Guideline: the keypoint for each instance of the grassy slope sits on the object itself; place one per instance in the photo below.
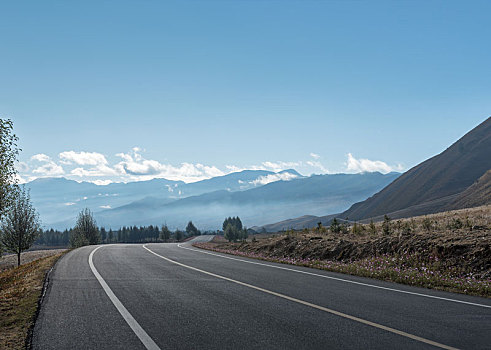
(446, 174)
(451, 252)
(20, 290)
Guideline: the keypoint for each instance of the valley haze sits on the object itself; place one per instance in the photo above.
(206, 202)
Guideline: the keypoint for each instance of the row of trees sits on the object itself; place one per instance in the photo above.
(53, 238)
(86, 232)
(130, 234)
(233, 229)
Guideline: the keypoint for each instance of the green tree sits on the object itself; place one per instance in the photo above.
(165, 233)
(85, 231)
(386, 226)
(110, 235)
(103, 235)
(357, 228)
(178, 235)
(335, 226)
(373, 229)
(20, 226)
(8, 157)
(191, 230)
(230, 233)
(243, 234)
(235, 222)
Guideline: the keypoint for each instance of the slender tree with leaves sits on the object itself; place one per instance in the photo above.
(20, 225)
(8, 174)
(85, 231)
(8, 157)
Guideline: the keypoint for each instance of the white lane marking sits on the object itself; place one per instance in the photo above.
(334, 312)
(339, 279)
(139, 331)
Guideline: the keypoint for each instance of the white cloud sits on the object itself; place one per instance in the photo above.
(139, 168)
(263, 180)
(99, 170)
(318, 165)
(361, 165)
(210, 171)
(69, 203)
(82, 158)
(279, 166)
(101, 183)
(94, 167)
(22, 167)
(233, 168)
(105, 206)
(49, 169)
(41, 157)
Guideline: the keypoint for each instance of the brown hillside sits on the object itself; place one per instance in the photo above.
(475, 195)
(433, 183)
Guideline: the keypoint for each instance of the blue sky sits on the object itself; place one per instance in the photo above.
(193, 89)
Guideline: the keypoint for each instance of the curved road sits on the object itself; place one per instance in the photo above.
(170, 296)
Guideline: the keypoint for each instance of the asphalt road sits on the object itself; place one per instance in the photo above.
(170, 296)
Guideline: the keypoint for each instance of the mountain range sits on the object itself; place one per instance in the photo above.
(436, 184)
(257, 196)
(457, 178)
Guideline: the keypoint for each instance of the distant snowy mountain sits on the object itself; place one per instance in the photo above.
(256, 204)
(59, 199)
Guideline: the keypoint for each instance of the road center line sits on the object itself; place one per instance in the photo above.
(318, 307)
(135, 326)
(337, 278)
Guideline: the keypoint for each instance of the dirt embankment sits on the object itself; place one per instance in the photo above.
(458, 240)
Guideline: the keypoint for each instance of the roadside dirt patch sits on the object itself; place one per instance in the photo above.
(449, 251)
(10, 261)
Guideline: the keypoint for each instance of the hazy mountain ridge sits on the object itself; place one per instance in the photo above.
(317, 194)
(457, 178)
(305, 221)
(60, 199)
(479, 193)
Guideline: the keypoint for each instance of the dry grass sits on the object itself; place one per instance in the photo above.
(448, 251)
(10, 261)
(20, 290)
(479, 217)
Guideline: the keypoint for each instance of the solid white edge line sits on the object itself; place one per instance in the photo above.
(134, 325)
(337, 278)
(306, 303)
